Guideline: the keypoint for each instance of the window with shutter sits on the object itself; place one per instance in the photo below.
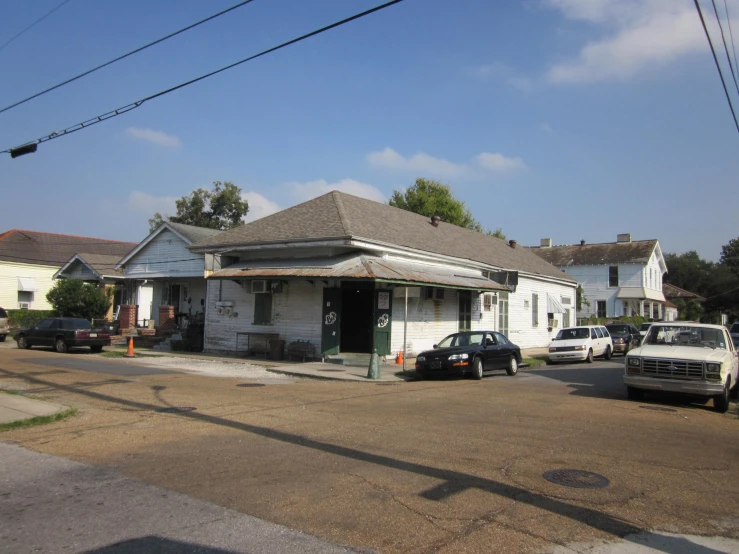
(262, 309)
(535, 310)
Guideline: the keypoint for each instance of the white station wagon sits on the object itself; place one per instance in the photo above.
(576, 344)
(689, 358)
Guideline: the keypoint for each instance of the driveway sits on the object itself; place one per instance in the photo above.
(431, 466)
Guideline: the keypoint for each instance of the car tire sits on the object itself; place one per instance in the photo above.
(96, 349)
(477, 368)
(2, 338)
(607, 355)
(23, 343)
(634, 394)
(512, 368)
(589, 359)
(61, 346)
(549, 362)
(734, 393)
(721, 401)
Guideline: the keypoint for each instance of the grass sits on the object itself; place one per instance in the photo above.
(39, 420)
(534, 361)
(122, 354)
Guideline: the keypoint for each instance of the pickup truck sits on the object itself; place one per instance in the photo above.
(63, 333)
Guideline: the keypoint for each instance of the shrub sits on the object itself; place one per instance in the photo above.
(22, 319)
(75, 298)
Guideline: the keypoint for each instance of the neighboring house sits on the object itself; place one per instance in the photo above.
(335, 271)
(30, 259)
(622, 278)
(671, 312)
(673, 294)
(161, 271)
(100, 270)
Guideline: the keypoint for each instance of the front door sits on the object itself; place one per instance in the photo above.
(383, 321)
(331, 321)
(465, 311)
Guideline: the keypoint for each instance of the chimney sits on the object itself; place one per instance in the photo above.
(546, 243)
(623, 237)
(512, 243)
(582, 243)
(435, 220)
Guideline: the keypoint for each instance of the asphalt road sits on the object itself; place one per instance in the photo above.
(432, 466)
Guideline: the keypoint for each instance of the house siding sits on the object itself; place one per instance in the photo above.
(429, 321)
(594, 281)
(165, 255)
(9, 274)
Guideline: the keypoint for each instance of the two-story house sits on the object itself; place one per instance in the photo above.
(622, 278)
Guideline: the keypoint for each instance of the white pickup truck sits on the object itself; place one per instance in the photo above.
(688, 358)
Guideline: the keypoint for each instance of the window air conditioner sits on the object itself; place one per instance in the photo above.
(24, 305)
(258, 287)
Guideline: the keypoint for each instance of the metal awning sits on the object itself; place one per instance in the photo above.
(554, 306)
(27, 284)
(361, 267)
(640, 293)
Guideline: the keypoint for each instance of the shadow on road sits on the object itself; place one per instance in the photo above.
(156, 545)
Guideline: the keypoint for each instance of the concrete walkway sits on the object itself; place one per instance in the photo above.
(16, 408)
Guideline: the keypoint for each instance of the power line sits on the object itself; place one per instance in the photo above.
(131, 53)
(731, 34)
(134, 105)
(39, 20)
(726, 48)
(715, 59)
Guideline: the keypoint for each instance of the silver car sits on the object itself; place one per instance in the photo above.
(4, 323)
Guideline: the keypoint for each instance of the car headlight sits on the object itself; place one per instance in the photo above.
(582, 347)
(634, 362)
(458, 357)
(421, 359)
(552, 349)
(619, 341)
(713, 368)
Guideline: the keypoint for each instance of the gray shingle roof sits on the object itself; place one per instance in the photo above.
(638, 251)
(339, 215)
(50, 249)
(193, 233)
(104, 264)
(673, 292)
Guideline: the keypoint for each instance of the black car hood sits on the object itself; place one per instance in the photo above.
(449, 351)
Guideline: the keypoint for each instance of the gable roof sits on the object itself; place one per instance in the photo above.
(51, 249)
(189, 234)
(673, 292)
(102, 265)
(635, 252)
(338, 215)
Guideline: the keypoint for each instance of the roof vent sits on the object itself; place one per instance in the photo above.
(512, 243)
(546, 243)
(623, 237)
(582, 243)
(435, 220)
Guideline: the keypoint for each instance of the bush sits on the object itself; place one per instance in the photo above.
(75, 298)
(22, 319)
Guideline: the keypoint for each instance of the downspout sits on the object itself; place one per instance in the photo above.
(405, 328)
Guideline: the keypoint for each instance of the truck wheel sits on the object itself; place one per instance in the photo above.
(477, 368)
(23, 343)
(512, 368)
(60, 346)
(634, 393)
(2, 338)
(721, 401)
(589, 359)
(607, 355)
(734, 393)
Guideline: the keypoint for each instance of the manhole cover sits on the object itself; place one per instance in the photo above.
(176, 410)
(576, 478)
(658, 408)
(251, 385)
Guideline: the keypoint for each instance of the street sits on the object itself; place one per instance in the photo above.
(427, 466)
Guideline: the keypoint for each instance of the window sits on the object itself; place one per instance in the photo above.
(551, 322)
(503, 313)
(598, 332)
(592, 334)
(263, 308)
(487, 304)
(25, 299)
(566, 319)
(605, 332)
(44, 324)
(600, 308)
(613, 276)
(501, 339)
(535, 310)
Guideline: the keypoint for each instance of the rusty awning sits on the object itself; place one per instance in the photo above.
(361, 267)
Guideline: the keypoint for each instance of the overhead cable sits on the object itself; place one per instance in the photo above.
(731, 34)
(134, 105)
(726, 48)
(32, 25)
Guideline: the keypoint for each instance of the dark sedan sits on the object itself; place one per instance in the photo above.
(63, 333)
(469, 353)
(622, 335)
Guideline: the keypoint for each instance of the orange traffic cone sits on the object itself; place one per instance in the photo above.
(129, 353)
(399, 358)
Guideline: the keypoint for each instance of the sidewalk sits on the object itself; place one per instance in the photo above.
(15, 407)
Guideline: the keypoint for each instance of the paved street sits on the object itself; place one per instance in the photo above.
(432, 466)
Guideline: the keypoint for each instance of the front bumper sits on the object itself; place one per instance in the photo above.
(624, 347)
(446, 368)
(571, 356)
(698, 388)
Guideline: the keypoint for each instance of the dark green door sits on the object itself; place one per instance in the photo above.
(331, 322)
(382, 321)
(465, 310)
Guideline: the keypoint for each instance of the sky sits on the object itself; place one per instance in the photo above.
(564, 119)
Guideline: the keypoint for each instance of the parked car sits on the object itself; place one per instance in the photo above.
(469, 353)
(734, 331)
(688, 358)
(622, 334)
(4, 325)
(63, 333)
(577, 344)
(643, 329)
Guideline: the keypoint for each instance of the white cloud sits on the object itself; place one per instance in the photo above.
(306, 191)
(155, 137)
(502, 72)
(638, 35)
(259, 206)
(146, 204)
(426, 165)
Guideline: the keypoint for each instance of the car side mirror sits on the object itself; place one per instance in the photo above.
(436, 346)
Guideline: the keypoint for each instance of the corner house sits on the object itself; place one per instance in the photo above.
(353, 275)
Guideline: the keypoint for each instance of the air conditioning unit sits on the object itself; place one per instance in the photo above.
(258, 287)
(24, 305)
(277, 287)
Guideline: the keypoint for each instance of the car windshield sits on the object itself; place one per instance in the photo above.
(75, 324)
(702, 337)
(618, 329)
(645, 326)
(574, 333)
(462, 339)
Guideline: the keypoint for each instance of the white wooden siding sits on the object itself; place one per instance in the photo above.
(80, 271)
(165, 255)
(9, 274)
(429, 321)
(594, 281)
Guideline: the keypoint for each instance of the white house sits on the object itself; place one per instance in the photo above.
(161, 271)
(622, 278)
(335, 271)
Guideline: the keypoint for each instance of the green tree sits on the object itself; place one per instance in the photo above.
(75, 298)
(430, 198)
(580, 299)
(730, 255)
(222, 208)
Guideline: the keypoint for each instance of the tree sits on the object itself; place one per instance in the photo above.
(580, 299)
(75, 298)
(730, 255)
(222, 208)
(430, 198)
